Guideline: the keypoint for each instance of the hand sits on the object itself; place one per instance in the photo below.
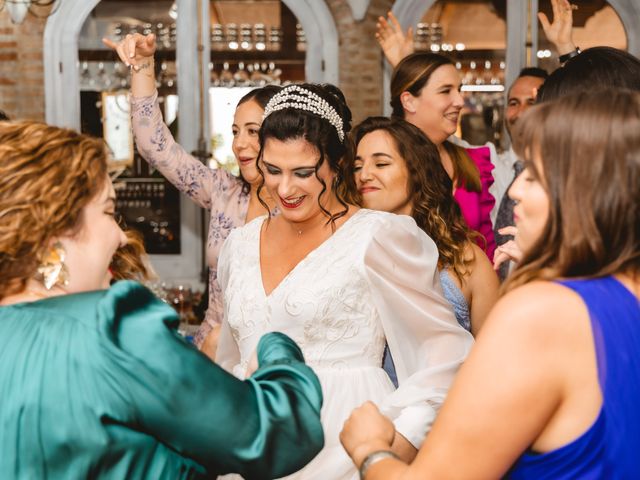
(135, 49)
(395, 44)
(559, 32)
(508, 250)
(366, 431)
(253, 365)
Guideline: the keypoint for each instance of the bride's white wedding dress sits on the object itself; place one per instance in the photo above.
(375, 278)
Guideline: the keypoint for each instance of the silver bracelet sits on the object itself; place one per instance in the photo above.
(374, 457)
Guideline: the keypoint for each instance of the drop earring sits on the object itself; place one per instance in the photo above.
(53, 269)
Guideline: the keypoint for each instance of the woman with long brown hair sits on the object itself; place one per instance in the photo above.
(397, 169)
(550, 390)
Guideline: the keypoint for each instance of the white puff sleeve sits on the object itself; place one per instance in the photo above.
(425, 340)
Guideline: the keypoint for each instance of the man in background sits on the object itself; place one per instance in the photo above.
(520, 97)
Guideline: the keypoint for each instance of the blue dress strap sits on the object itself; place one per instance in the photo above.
(455, 297)
(608, 449)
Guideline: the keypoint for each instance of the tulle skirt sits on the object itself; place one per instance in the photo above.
(343, 389)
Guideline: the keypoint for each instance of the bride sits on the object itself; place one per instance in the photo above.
(340, 280)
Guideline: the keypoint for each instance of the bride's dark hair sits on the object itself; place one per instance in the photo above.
(292, 123)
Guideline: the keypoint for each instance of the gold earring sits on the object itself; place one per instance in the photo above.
(53, 269)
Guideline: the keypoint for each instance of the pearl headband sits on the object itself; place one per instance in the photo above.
(300, 98)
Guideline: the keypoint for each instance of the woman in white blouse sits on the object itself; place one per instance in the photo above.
(339, 280)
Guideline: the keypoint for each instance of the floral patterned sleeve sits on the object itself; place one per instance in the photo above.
(158, 147)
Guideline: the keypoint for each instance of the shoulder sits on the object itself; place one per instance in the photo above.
(479, 266)
(398, 236)
(539, 312)
(80, 304)
(111, 308)
(482, 151)
(249, 233)
(386, 226)
(478, 259)
(248, 230)
(378, 219)
(127, 297)
(126, 291)
(130, 317)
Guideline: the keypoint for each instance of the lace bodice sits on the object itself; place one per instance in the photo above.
(324, 303)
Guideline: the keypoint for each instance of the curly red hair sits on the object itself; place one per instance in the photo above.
(47, 177)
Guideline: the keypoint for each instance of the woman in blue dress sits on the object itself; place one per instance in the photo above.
(551, 388)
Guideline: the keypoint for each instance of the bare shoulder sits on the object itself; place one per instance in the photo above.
(482, 275)
(540, 310)
(474, 254)
(539, 296)
(541, 328)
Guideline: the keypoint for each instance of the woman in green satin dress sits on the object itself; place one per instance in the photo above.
(95, 381)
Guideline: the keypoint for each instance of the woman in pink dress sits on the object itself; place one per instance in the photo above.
(425, 91)
(232, 200)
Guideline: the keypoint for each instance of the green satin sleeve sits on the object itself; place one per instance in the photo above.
(264, 427)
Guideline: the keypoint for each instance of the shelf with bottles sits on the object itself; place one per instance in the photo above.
(99, 76)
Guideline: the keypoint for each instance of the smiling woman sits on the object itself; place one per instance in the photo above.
(294, 180)
(340, 280)
(397, 169)
(381, 173)
(307, 151)
(425, 91)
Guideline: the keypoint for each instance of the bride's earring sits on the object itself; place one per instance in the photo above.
(52, 267)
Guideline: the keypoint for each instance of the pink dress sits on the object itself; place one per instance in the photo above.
(476, 207)
(216, 190)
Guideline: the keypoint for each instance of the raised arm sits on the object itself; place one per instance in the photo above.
(394, 42)
(560, 30)
(137, 52)
(267, 426)
(153, 138)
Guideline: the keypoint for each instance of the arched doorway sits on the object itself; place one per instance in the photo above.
(61, 52)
